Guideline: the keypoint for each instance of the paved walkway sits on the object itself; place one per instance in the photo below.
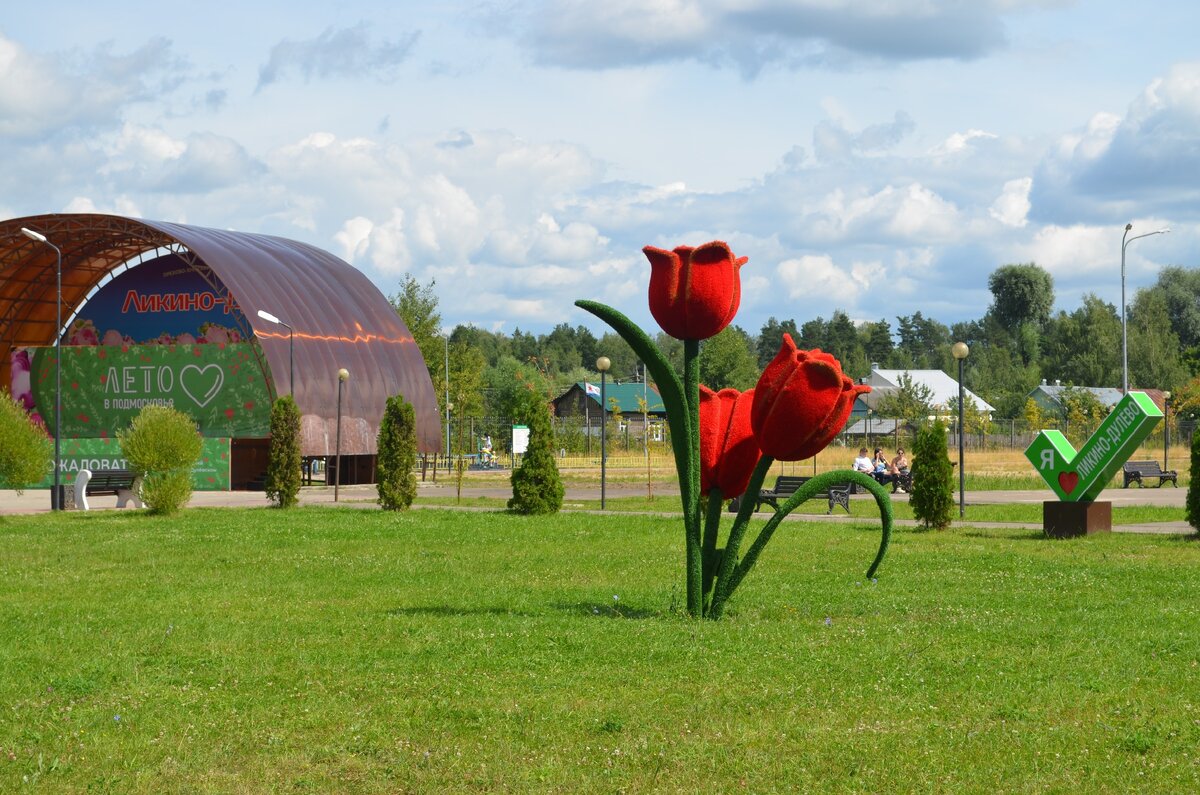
(32, 502)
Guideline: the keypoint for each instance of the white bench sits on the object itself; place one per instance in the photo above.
(125, 484)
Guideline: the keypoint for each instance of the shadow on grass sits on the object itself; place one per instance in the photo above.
(614, 610)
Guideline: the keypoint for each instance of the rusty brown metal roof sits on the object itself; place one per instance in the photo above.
(340, 318)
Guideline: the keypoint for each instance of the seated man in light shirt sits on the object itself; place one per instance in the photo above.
(863, 463)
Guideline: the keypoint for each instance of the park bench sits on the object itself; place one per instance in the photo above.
(1139, 471)
(786, 485)
(125, 484)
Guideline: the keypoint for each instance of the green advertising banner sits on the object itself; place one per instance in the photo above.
(211, 472)
(1081, 476)
(220, 385)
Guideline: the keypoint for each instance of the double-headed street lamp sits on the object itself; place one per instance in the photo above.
(1124, 336)
(267, 316)
(56, 495)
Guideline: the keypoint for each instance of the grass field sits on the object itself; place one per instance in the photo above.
(347, 650)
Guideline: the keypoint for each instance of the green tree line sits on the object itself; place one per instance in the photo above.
(1018, 341)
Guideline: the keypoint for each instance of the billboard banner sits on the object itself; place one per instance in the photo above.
(161, 302)
(221, 386)
(211, 472)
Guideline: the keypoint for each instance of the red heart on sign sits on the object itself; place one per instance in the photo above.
(1067, 481)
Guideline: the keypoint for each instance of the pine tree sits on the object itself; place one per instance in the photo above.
(397, 456)
(536, 485)
(1193, 495)
(283, 460)
(933, 478)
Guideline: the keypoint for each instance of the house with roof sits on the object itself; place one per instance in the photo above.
(582, 400)
(942, 388)
(1049, 397)
(864, 418)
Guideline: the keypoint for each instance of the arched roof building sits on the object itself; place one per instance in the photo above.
(339, 318)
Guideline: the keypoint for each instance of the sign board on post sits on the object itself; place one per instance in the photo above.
(1081, 476)
(520, 439)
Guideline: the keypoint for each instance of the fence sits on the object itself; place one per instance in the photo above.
(630, 443)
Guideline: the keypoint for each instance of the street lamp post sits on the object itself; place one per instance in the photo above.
(1166, 426)
(1124, 333)
(602, 364)
(960, 352)
(56, 495)
(446, 338)
(267, 316)
(342, 376)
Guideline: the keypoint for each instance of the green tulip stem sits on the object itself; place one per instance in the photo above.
(820, 483)
(729, 557)
(691, 391)
(712, 525)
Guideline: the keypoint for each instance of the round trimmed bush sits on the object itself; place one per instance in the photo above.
(162, 445)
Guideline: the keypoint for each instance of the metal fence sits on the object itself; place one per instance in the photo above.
(628, 440)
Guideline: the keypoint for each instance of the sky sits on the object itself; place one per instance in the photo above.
(880, 157)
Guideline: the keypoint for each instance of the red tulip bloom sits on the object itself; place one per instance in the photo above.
(801, 402)
(728, 451)
(694, 292)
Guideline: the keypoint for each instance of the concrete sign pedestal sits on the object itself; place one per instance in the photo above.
(1071, 519)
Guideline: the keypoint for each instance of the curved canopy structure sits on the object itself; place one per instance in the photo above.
(340, 320)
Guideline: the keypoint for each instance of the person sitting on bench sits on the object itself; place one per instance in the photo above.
(863, 463)
(882, 469)
(900, 470)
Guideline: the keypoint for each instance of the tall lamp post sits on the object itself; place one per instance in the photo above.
(267, 316)
(343, 375)
(446, 338)
(960, 352)
(1166, 426)
(56, 495)
(1124, 334)
(602, 364)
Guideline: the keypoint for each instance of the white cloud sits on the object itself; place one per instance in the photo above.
(41, 95)
(752, 34)
(960, 141)
(812, 275)
(1011, 207)
(336, 52)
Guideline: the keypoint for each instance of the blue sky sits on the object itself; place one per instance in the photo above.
(875, 156)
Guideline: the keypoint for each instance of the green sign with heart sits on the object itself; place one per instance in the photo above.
(1081, 476)
(220, 385)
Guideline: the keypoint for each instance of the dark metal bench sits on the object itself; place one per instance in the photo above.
(786, 486)
(1139, 471)
(123, 483)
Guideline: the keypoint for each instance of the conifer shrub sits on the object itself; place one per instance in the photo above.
(25, 449)
(397, 455)
(283, 462)
(932, 498)
(162, 445)
(1193, 494)
(537, 487)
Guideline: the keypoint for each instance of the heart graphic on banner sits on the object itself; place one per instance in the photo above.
(1068, 481)
(201, 384)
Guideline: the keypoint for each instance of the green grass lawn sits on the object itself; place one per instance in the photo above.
(322, 650)
(1030, 513)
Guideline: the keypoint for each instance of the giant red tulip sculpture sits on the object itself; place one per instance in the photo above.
(725, 442)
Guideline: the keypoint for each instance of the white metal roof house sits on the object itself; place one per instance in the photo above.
(942, 387)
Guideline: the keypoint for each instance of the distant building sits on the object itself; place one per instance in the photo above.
(1048, 396)
(583, 398)
(943, 389)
